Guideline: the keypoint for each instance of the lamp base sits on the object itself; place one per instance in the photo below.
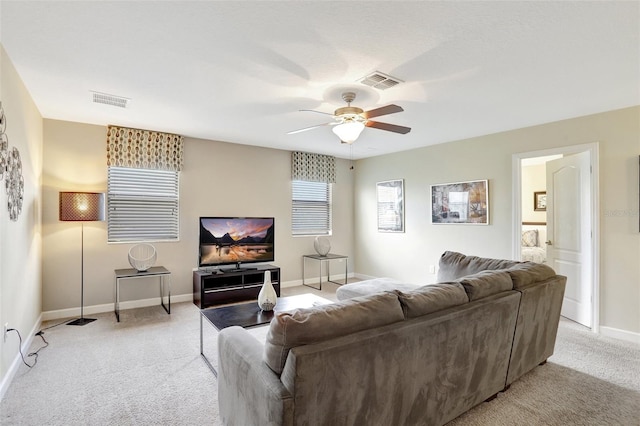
(81, 321)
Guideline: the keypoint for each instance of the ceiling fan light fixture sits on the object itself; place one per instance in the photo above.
(349, 131)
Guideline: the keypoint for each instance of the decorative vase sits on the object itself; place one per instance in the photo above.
(267, 296)
(322, 245)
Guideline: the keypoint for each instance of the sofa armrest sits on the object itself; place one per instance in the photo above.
(249, 392)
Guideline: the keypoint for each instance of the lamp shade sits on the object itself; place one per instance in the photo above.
(348, 131)
(81, 206)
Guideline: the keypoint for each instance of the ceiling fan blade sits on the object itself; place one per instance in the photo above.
(389, 109)
(309, 128)
(389, 127)
(313, 110)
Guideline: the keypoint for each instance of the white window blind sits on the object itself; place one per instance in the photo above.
(142, 205)
(311, 208)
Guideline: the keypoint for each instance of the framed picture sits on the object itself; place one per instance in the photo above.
(540, 201)
(390, 196)
(460, 203)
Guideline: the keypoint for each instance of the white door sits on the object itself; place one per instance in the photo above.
(569, 232)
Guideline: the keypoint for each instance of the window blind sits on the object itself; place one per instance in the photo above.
(142, 205)
(311, 208)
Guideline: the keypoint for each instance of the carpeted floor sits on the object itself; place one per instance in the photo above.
(147, 370)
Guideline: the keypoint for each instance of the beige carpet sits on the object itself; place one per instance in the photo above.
(146, 370)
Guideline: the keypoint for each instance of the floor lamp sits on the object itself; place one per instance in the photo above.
(81, 207)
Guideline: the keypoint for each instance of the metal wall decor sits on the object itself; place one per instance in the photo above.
(4, 143)
(11, 171)
(14, 184)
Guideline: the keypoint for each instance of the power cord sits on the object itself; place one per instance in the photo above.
(35, 353)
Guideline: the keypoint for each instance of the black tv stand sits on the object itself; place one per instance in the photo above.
(224, 271)
(239, 268)
(229, 285)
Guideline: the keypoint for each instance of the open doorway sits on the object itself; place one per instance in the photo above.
(547, 223)
(534, 208)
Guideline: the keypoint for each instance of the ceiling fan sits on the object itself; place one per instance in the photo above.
(350, 121)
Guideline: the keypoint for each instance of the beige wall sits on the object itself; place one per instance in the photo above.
(20, 243)
(407, 256)
(534, 179)
(218, 179)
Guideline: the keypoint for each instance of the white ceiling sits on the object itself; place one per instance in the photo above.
(240, 71)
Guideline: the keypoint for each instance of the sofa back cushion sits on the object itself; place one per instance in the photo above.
(431, 298)
(525, 273)
(455, 265)
(312, 325)
(486, 283)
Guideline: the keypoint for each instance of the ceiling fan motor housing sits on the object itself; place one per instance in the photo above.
(348, 110)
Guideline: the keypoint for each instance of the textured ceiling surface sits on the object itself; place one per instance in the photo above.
(240, 71)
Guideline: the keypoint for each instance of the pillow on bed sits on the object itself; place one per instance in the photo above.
(530, 238)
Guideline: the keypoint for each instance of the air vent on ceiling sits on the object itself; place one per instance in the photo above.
(107, 99)
(380, 80)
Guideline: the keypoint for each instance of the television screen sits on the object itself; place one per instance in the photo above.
(236, 240)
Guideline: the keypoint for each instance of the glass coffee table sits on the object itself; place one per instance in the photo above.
(248, 315)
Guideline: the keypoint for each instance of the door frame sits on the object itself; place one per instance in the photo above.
(593, 149)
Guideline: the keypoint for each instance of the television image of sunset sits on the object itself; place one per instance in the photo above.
(233, 240)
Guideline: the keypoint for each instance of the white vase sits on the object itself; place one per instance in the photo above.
(267, 296)
(322, 245)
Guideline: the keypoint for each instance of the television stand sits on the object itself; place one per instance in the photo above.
(224, 271)
(213, 288)
(239, 268)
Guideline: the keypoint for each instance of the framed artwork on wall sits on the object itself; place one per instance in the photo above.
(460, 203)
(540, 201)
(390, 197)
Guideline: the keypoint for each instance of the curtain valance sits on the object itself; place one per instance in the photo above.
(144, 149)
(313, 167)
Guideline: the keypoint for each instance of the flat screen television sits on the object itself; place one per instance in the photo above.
(236, 241)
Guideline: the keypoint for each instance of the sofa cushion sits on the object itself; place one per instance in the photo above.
(376, 285)
(525, 273)
(431, 298)
(455, 265)
(311, 325)
(486, 283)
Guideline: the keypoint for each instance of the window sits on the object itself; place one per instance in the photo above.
(142, 205)
(311, 208)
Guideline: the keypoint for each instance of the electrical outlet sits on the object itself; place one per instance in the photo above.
(4, 331)
(432, 269)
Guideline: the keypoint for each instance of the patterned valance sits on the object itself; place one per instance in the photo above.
(144, 149)
(313, 167)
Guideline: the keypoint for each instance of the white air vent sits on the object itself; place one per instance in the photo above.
(107, 99)
(380, 80)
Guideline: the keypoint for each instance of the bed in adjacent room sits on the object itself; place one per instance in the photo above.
(533, 248)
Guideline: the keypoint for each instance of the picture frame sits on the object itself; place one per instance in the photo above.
(540, 201)
(460, 203)
(390, 205)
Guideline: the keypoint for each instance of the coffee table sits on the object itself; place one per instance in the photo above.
(248, 315)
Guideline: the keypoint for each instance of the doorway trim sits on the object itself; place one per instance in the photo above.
(516, 172)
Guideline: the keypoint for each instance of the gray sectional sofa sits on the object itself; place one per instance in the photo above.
(418, 356)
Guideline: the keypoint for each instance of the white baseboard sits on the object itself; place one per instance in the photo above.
(109, 307)
(617, 333)
(365, 277)
(314, 280)
(17, 360)
(142, 303)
